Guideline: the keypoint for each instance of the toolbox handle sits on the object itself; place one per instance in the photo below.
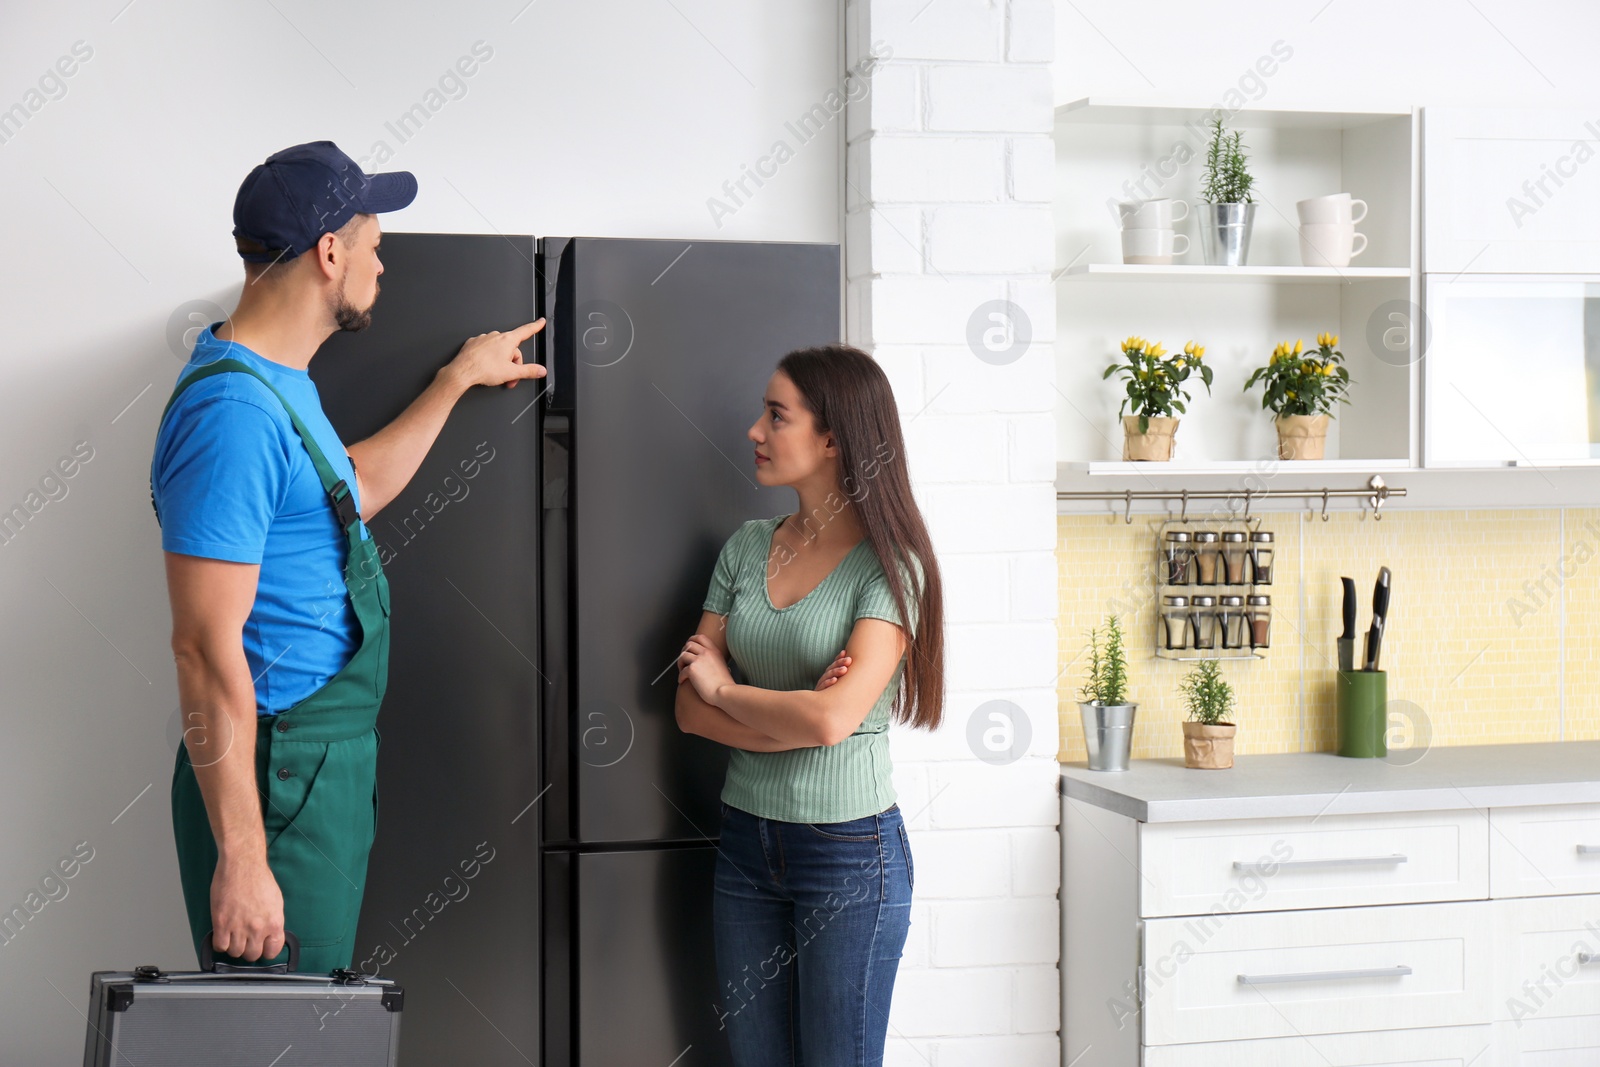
(207, 963)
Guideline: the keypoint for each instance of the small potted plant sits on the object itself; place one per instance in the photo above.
(1208, 734)
(1107, 712)
(1229, 207)
(1301, 388)
(1155, 390)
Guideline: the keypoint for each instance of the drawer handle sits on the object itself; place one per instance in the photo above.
(1587, 957)
(1325, 976)
(1350, 861)
(1585, 850)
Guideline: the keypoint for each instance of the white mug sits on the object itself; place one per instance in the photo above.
(1152, 246)
(1331, 210)
(1330, 246)
(1151, 214)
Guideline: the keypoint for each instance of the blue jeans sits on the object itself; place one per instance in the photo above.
(810, 920)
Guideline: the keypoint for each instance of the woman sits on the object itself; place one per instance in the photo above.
(814, 872)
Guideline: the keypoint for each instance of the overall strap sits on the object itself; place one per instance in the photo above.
(338, 491)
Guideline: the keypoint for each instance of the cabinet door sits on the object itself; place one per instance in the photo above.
(1510, 190)
(1512, 369)
(1335, 970)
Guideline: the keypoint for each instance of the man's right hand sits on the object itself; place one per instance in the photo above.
(246, 910)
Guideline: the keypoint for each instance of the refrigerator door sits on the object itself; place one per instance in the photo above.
(630, 972)
(452, 893)
(660, 352)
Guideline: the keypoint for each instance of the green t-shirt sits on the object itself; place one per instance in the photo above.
(788, 649)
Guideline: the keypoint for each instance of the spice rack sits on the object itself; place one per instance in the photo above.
(1214, 589)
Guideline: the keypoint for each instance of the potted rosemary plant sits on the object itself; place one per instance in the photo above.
(1207, 734)
(1155, 390)
(1107, 712)
(1229, 208)
(1301, 388)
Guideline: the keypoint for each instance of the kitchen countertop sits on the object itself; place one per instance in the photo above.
(1311, 783)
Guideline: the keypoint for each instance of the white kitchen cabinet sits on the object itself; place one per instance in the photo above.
(1512, 367)
(1511, 190)
(1486, 953)
(1109, 150)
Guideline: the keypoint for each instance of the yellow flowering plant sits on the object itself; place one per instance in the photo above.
(1298, 382)
(1155, 379)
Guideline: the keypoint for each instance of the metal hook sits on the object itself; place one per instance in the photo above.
(1127, 516)
(1324, 505)
(1247, 504)
(1184, 515)
(1380, 493)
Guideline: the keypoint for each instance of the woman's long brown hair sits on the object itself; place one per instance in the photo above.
(849, 396)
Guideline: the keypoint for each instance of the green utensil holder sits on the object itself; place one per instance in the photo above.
(1363, 713)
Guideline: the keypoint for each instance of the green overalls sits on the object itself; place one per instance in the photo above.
(316, 763)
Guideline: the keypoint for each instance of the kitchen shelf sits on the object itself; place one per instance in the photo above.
(1125, 110)
(1145, 469)
(1187, 272)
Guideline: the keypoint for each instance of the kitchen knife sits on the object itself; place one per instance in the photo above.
(1347, 640)
(1380, 611)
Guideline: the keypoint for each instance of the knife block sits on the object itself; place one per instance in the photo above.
(1362, 707)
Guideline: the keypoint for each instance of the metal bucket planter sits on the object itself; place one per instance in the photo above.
(1225, 232)
(1108, 734)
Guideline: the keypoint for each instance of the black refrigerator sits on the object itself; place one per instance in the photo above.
(541, 881)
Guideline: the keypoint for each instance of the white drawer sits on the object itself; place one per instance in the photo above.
(1545, 850)
(1334, 970)
(1434, 1046)
(1312, 862)
(1558, 1041)
(1547, 958)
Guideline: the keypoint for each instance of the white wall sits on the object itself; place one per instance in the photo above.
(949, 180)
(1348, 54)
(601, 119)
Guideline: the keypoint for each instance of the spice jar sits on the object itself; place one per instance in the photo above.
(1261, 556)
(1233, 554)
(1207, 557)
(1203, 619)
(1233, 622)
(1260, 608)
(1179, 556)
(1175, 621)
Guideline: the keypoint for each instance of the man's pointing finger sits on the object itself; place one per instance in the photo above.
(522, 333)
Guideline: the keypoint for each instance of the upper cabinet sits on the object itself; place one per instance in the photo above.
(1511, 191)
(1109, 151)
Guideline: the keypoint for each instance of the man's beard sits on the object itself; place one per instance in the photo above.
(350, 318)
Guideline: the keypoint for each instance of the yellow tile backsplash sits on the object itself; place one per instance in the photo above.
(1487, 640)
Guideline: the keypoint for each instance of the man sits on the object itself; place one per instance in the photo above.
(280, 608)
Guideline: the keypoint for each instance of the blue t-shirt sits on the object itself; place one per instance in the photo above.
(232, 480)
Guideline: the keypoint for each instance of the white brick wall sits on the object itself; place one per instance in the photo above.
(949, 177)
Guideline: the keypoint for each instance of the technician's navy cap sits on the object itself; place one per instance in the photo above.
(287, 203)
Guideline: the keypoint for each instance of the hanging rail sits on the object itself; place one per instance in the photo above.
(1376, 492)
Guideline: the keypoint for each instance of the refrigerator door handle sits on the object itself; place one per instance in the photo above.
(556, 606)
